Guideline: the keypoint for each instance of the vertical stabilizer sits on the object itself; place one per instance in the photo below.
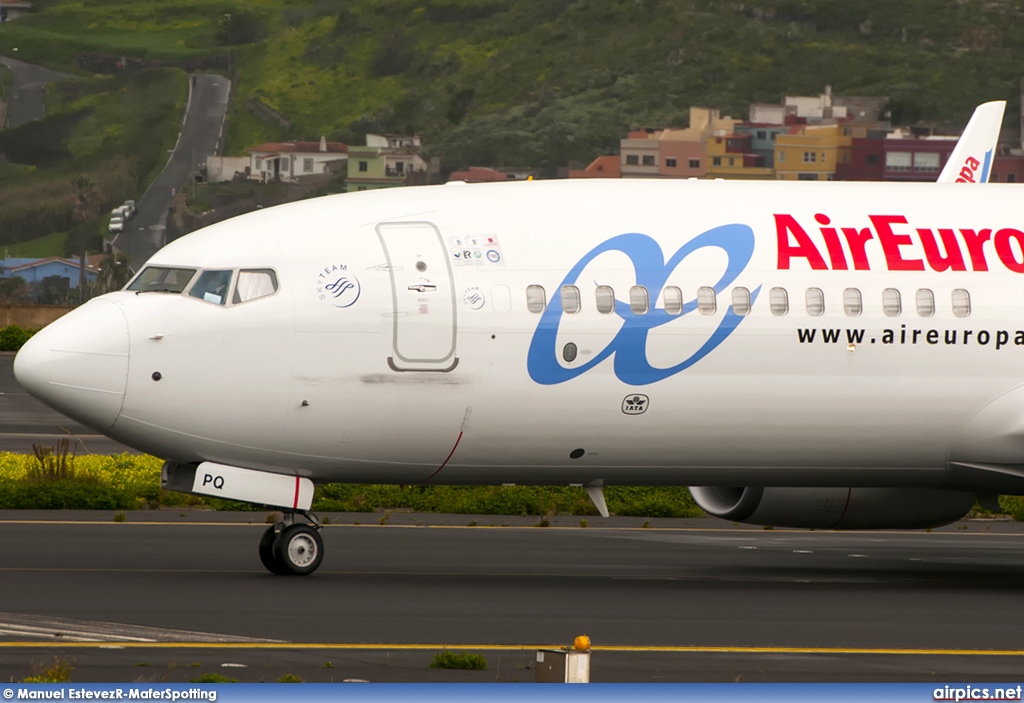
(971, 160)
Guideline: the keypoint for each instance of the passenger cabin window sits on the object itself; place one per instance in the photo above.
(535, 298)
(161, 279)
(925, 302)
(815, 302)
(638, 301)
(212, 286)
(778, 301)
(741, 301)
(853, 304)
(254, 284)
(961, 302)
(892, 305)
(570, 299)
(707, 303)
(605, 299)
(673, 300)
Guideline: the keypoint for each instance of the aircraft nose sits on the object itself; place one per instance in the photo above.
(79, 364)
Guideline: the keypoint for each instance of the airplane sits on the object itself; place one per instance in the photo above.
(971, 159)
(810, 354)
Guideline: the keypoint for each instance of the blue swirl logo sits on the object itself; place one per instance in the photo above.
(344, 291)
(629, 346)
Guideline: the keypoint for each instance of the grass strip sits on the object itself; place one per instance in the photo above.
(56, 479)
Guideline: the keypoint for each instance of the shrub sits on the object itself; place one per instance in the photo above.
(214, 678)
(1013, 505)
(63, 495)
(57, 672)
(13, 337)
(52, 463)
(458, 660)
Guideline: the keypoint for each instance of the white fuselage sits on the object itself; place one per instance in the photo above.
(400, 347)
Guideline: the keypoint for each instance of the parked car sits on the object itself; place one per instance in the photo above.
(116, 224)
(129, 207)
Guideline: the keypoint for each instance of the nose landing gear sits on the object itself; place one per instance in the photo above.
(289, 548)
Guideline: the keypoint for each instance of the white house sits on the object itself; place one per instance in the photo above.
(291, 161)
(224, 168)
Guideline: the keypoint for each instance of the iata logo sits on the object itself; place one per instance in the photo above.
(628, 348)
(337, 286)
(635, 404)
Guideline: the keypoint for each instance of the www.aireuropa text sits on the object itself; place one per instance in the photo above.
(902, 336)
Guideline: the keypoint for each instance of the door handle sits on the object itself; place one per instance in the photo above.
(423, 288)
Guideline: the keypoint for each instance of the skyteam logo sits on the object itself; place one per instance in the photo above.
(629, 346)
(339, 287)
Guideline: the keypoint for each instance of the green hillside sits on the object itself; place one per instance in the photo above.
(540, 82)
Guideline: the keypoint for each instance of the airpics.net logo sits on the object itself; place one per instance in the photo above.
(977, 693)
(337, 286)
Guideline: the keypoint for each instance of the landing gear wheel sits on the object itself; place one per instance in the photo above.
(298, 550)
(267, 552)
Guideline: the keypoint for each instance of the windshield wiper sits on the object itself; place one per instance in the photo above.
(157, 290)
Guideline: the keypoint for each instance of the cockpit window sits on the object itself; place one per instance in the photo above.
(161, 279)
(253, 284)
(212, 286)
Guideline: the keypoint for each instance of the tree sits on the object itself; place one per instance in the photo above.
(86, 200)
(14, 290)
(114, 273)
(241, 27)
(53, 290)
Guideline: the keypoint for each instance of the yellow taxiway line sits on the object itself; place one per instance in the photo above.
(736, 530)
(395, 646)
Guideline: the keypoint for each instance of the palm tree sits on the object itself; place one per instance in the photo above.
(114, 273)
(86, 200)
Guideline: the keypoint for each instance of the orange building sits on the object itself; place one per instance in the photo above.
(601, 167)
(673, 153)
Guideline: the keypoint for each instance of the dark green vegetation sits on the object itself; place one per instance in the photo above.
(214, 678)
(54, 478)
(106, 138)
(657, 501)
(458, 660)
(13, 337)
(540, 82)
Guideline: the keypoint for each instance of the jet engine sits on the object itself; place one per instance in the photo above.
(835, 508)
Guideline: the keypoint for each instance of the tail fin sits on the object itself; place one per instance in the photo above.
(971, 160)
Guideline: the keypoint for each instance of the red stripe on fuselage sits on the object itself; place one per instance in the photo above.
(457, 440)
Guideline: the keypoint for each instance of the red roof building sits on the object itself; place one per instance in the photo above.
(290, 161)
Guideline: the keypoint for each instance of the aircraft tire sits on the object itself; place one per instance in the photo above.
(267, 553)
(298, 550)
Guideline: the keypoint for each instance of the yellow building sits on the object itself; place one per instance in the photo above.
(732, 156)
(812, 152)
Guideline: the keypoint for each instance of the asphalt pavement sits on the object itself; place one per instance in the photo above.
(25, 100)
(697, 600)
(200, 137)
(25, 422)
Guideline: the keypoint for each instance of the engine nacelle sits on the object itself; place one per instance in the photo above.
(836, 508)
